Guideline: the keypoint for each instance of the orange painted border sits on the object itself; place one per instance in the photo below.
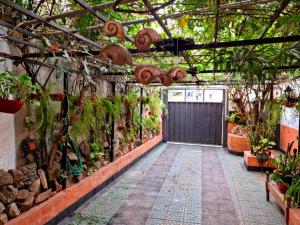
(294, 216)
(47, 210)
(287, 135)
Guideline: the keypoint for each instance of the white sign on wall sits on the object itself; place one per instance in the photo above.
(213, 96)
(176, 95)
(194, 95)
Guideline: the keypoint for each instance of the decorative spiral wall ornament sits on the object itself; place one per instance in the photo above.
(117, 54)
(177, 73)
(114, 29)
(145, 38)
(145, 74)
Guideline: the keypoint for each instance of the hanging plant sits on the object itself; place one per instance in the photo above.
(14, 90)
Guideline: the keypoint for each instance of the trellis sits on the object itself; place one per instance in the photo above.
(176, 46)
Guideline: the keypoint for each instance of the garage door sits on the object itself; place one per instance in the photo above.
(198, 122)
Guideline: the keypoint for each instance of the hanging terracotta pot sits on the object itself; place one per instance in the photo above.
(117, 54)
(10, 106)
(31, 145)
(145, 74)
(177, 73)
(54, 48)
(93, 98)
(57, 97)
(145, 38)
(114, 29)
(35, 96)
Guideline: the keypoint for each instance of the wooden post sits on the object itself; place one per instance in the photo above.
(141, 113)
(64, 115)
(112, 135)
(287, 210)
(267, 186)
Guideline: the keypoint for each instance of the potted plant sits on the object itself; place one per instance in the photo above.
(294, 190)
(262, 149)
(286, 165)
(14, 90)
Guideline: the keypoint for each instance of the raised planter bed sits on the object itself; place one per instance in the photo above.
(53, 210)
(230, 126)
(252, 163)
(238, 144)
(291, 215)
(294, 217)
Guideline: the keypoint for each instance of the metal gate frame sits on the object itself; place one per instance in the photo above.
(224, 111)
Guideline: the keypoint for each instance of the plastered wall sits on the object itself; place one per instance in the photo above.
(7, 128)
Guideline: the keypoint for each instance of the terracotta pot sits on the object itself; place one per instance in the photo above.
(262, 156)
(31, 145)
(121, 128)
(10, 106)
(282, 187)
(110, 98)
(35, 96)
(57, 97)
(93, 98)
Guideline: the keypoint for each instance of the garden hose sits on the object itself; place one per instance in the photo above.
(75, 170)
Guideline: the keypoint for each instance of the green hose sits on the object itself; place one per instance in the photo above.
(75, 170)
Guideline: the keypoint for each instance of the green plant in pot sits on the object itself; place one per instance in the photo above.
(262, 150)
(14, 90)
(286, 166)
(294, 190)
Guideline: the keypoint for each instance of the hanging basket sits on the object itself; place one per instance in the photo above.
(57, 97)
(10, 106)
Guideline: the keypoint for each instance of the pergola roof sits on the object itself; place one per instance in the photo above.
(201, 36)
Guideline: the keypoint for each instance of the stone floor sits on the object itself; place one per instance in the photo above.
(183, 184)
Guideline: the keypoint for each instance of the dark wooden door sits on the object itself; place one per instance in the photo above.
(199, 123)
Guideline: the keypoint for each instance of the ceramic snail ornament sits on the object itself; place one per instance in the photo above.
(117, 54)
(145, 74)
(166, 79)
(114, 29)
(145, 38)
(176, 73)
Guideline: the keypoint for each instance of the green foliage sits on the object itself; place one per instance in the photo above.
(263, 145)
(86, 120)
(45, 116)
(19, 86)
(294, 190)
(286, 166)
(96, 153)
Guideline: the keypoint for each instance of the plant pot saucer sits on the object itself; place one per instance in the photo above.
(10, 106)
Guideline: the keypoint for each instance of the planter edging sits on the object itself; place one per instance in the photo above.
(58, 206)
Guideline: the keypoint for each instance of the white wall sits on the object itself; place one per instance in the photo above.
(7, 129)
(290, 117)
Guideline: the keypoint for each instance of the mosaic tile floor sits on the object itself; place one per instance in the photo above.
(182, 185)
